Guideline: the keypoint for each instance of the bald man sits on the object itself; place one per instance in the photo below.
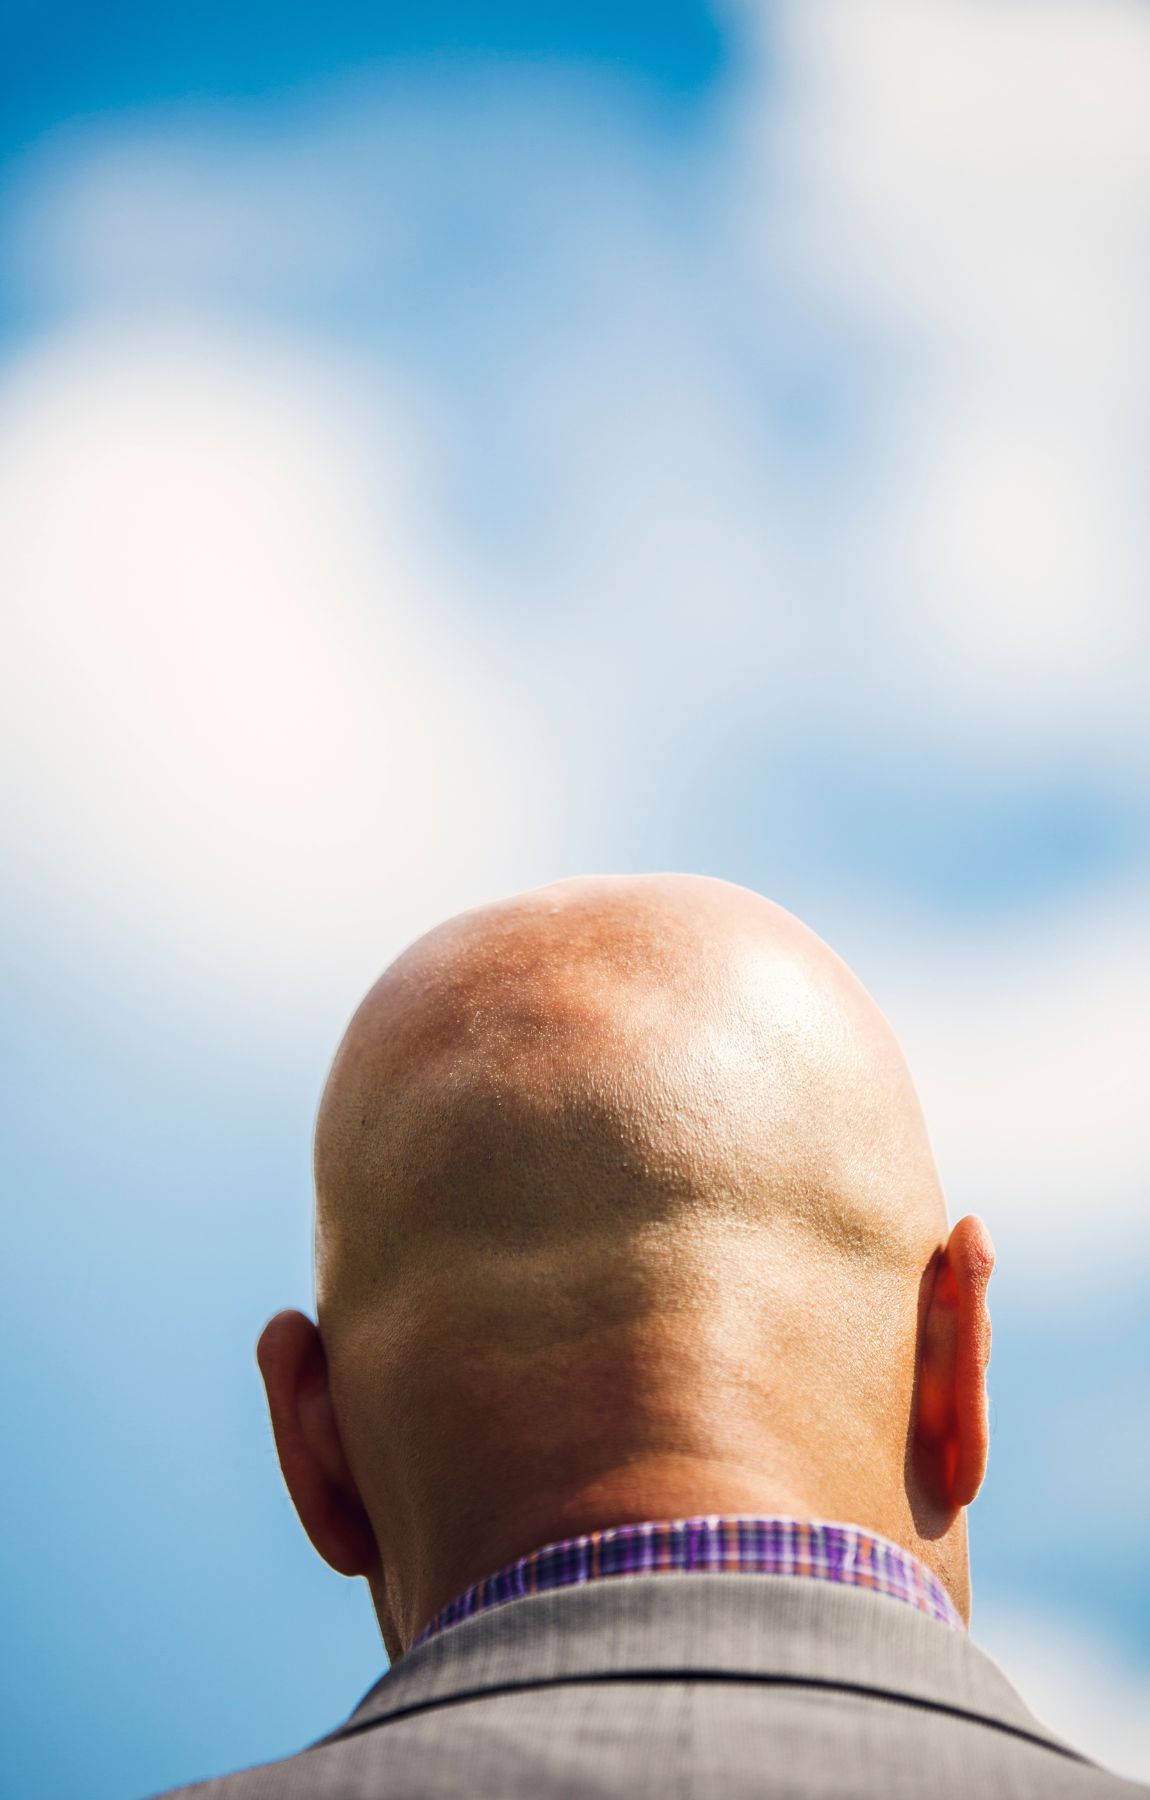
(648, 1392)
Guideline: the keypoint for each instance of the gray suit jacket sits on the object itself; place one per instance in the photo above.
(688, 1687)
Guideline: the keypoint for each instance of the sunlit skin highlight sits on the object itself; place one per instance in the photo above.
(625, 1210)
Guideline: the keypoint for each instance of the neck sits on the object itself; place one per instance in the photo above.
(644, 1488)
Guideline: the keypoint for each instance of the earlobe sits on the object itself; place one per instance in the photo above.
(951, 1427)
(293, 1364)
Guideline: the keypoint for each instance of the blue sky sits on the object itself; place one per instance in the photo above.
(442, 451)
(91, 59)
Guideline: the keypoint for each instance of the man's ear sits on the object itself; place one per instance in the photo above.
(952, 1432)
(293, 1364)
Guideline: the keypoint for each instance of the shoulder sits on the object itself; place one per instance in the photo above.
(637, 1737)
(745, 1684)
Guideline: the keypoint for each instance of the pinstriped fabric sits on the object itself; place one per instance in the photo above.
(826, 1551)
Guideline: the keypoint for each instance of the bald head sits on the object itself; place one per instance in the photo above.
(625, 1208)
(607, 1058)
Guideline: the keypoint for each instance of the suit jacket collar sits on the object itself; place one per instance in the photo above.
(770, 1628)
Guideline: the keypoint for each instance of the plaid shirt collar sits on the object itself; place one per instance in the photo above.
(765, 1546)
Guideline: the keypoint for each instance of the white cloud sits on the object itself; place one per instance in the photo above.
(978, 172)
(1021, 574)
(965, 186)
(1028, 1051)
(243, 722)
(1078, 1682)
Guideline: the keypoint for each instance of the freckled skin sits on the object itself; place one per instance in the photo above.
(625, 1210)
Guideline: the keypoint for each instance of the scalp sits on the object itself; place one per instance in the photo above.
(606, 1076)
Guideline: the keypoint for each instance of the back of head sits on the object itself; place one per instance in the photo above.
(622, 1189)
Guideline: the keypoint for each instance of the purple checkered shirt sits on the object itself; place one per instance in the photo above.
(749, 1545)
